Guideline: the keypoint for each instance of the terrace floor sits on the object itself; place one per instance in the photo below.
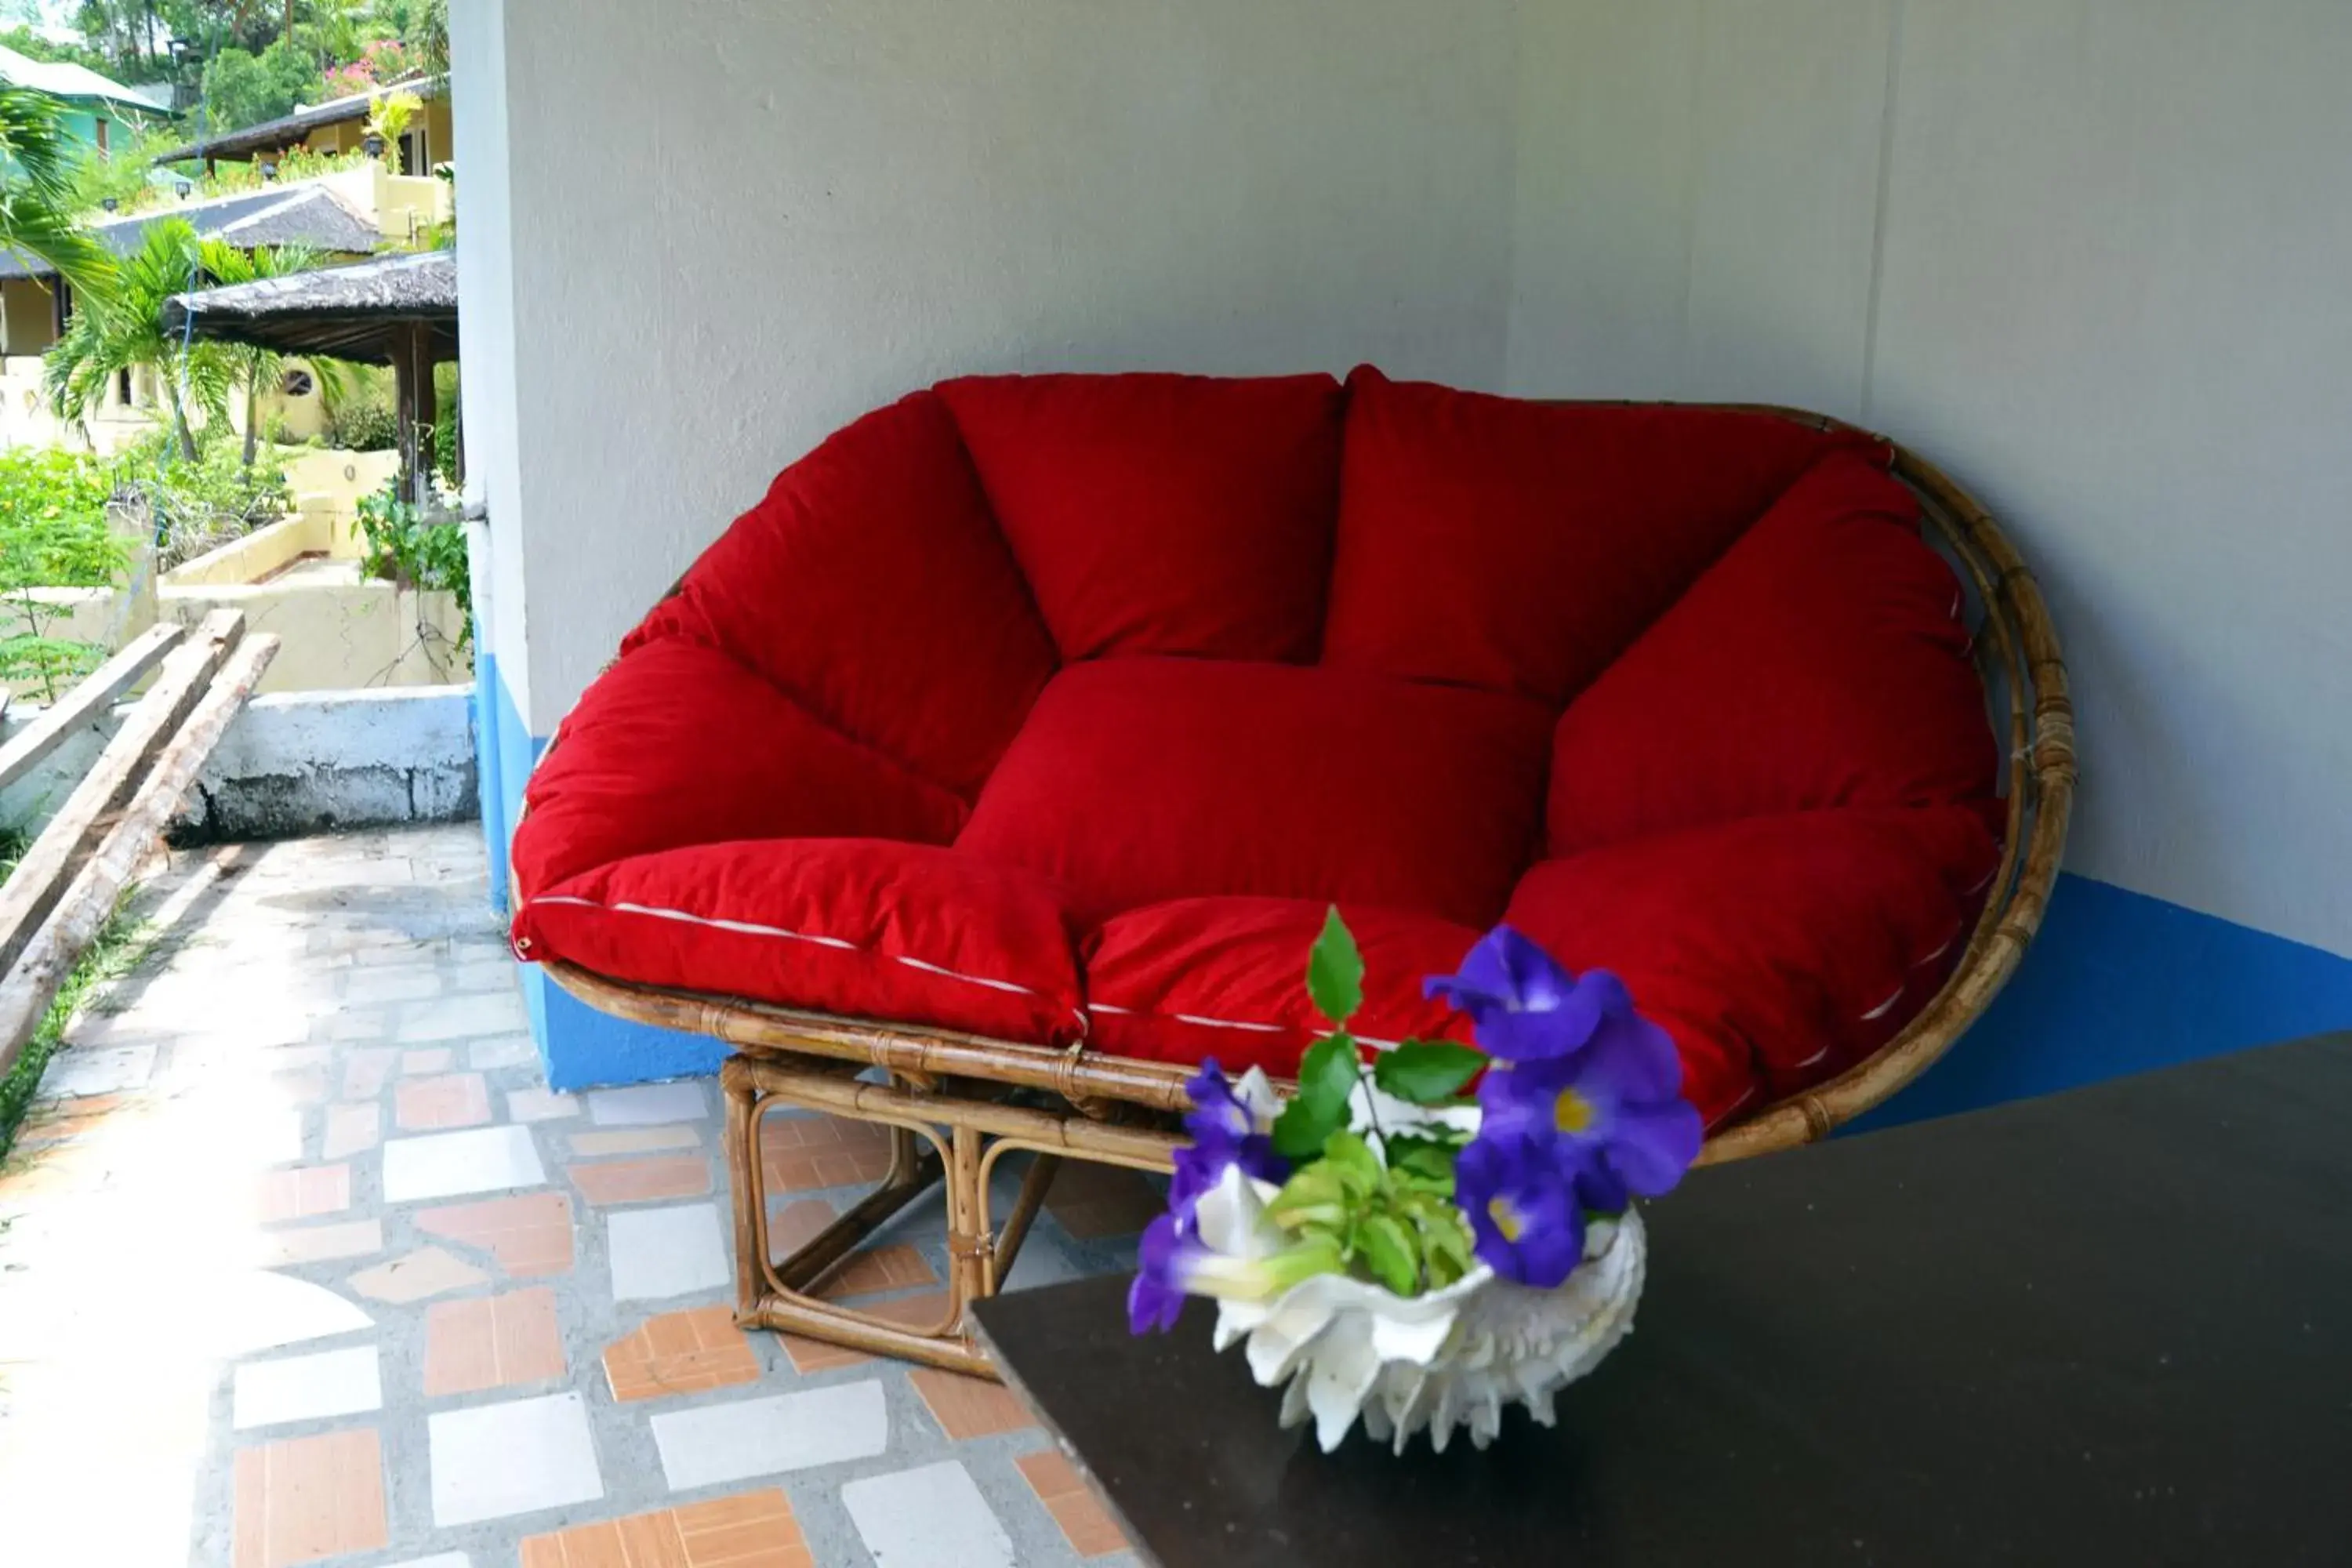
(300, 1261)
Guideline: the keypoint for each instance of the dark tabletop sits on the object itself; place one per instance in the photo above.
(2104, 1327)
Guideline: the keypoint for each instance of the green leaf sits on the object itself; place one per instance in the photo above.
(1352, 1159)
(1320, 1109)
(1389, 1250)
(1314, 1196)
(1335, 970)
(1445, 1242)
(1424, 1159)
(1426, 1072)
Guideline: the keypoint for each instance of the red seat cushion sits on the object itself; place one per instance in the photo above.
(1140, 780)
(1776, 949)
(1197, 978)
(861, 927)
(1821, 662)
(1520, 546)
(945, 663)
(1168, 514)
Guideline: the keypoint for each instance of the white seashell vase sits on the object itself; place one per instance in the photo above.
(1453, 1358)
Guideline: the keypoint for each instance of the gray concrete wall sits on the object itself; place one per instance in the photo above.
(299, 761)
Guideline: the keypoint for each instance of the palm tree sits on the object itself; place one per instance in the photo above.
(224, 263)
(36, 173)
(128, 332)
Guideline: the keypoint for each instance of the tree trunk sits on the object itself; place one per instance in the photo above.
(180, 417)
(252, 413)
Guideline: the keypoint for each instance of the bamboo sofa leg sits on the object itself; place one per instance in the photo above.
(943, 1132)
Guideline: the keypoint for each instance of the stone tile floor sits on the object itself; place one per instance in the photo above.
(301, 1261)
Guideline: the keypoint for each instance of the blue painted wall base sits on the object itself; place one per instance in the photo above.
(579, 1046)
(2118, 983)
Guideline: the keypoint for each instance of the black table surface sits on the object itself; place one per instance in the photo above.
(2110, 1326)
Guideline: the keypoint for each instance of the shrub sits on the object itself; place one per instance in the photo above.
(406, 547)
(53, 534)
(362, 424)
(201, 505)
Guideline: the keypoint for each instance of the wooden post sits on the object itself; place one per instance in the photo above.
(428, 412)
(33, 889)
(40, 972)
(403, 406)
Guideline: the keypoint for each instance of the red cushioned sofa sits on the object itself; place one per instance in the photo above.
(1016, 742)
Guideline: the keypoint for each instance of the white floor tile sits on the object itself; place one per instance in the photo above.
(540, 1105)
(257, 1310)
(110, 1070)
(277, 1137)
(444, 1559)
(930, 1518)
(499, 1013)
(307, 1387)
(643, 1104)
(719, 1442)
(513, 1051)
(445, 1165)
(493, 1460)
(670, 1251)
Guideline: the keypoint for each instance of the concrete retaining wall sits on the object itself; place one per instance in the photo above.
(299, 761)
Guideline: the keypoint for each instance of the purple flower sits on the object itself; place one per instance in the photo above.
(1519, 1194)
(1617, 1104)
(1523, 1004)
(1227, 1131)
(1157, 1296)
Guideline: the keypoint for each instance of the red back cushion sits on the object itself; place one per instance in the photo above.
(1776, 949)
(1520, 546)
(1163, 514)
(1821, 662)
(1137, 781)
(678, 744)
(871, 585)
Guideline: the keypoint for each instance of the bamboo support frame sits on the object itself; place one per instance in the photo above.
(1116, 1110)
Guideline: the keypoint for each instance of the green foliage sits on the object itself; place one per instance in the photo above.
(38, 161)
(117, 949)
(445, 431)
(127, 331)
(406, 546)
(364, 423)
(1427, 1072)
(1397, 1226)
(200, 505)
(1385, 1213)
(122, 173)
(1327, 1075)
(53, 534)
(1335, 970)
(389, 118)
(242, 87)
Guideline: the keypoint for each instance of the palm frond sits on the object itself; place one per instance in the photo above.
(37, 163)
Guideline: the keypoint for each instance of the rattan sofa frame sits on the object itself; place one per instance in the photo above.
(954, 1104)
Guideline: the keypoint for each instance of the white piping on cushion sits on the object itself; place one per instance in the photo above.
(1116, 1011)
(746, 928)
(1229, 1023)
(1941, 948)
(1882, 1008)
(1811, 1059)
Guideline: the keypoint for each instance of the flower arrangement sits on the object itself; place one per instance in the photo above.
(1423, 1242)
